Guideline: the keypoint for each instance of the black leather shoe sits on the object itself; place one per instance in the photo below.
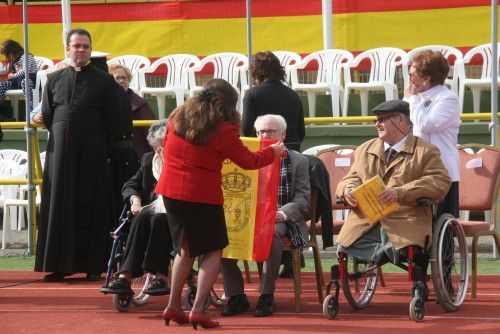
(119, 286)
(55, 277)
(157, 287)
(236, 305)
(265, 306)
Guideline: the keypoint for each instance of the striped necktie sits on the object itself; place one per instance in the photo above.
(390, 153)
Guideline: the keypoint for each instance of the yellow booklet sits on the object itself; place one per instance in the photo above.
(368, 202)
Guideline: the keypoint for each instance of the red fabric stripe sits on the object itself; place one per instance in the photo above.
(267, 202)
(209, 9)
(361, 6)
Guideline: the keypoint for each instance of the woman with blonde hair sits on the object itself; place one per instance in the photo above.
(201, 135)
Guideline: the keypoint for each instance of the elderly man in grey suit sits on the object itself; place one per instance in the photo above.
(293, 205)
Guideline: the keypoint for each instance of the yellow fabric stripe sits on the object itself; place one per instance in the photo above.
(409, 29)
(460, 27)
(240, 206)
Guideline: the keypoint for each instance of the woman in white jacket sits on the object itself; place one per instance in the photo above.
(435, 113)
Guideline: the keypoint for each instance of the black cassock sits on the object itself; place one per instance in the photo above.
(80, 109)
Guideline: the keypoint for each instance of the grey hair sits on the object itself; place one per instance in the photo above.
(277, 118)
(156, 133)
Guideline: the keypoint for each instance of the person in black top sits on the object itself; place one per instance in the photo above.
(271, 96)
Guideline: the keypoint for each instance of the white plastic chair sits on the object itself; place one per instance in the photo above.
(43, 63)
(20, 159)
(477, 84)
(448, 52)
(9, 169)
(134, 63)
(288, 60)
(330, 65)
(383, 63)
(176, 81)
(226, 65)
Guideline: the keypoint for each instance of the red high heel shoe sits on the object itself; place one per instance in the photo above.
(180, 318)
(199, 319)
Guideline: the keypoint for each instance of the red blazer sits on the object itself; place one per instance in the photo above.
(193, 172)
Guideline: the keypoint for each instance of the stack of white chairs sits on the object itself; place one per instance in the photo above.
(227, 66)
(176, 81)
(476, 85)
(288, 60)
(330, 63)
(383, 64)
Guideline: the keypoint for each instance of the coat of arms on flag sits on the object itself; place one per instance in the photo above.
(250, 201)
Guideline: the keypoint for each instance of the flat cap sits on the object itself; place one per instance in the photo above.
(393, 106)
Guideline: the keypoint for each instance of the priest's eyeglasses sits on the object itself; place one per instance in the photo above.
(80, 46)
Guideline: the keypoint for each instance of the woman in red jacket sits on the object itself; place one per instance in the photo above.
(201, 135)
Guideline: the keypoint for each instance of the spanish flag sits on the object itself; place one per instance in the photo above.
(250, 202)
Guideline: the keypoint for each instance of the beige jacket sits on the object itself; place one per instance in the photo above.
(417, 171)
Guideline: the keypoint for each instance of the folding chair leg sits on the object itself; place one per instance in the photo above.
(381, 277)
(247, 271)
(296, 277)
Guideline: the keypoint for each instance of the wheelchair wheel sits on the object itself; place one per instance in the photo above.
(122, 302)
(359, 288)
(417, 309)
(138, 285)
(449, 263)
(330, 307)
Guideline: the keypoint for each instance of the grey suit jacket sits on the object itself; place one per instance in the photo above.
(297, 210)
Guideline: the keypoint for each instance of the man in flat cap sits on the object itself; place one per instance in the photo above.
(410, 168)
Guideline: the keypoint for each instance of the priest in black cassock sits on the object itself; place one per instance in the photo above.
(80, 108)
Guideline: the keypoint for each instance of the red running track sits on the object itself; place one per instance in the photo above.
(28, 305)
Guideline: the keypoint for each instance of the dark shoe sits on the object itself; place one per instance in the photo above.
(119, 286)
(157, 287)
(92, 277)
(55, 277)
(236, 305)
(265, 306)
(286, 272)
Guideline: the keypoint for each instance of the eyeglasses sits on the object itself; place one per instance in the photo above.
(269, 132)
(80, 46)
(383, 119)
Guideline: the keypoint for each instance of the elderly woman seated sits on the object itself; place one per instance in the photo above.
(148, 243)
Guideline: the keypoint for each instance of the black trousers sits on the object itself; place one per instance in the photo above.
(148, 245)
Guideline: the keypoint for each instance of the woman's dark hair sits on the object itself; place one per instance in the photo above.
(265, 65)
(11, 48)
(202, 113)
(431, 64)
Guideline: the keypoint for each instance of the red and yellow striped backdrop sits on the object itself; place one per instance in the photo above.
(208, 26)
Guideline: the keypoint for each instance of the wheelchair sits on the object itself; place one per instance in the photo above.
(447, 256)
(136, 296)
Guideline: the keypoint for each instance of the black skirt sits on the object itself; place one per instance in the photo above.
(203, 224)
